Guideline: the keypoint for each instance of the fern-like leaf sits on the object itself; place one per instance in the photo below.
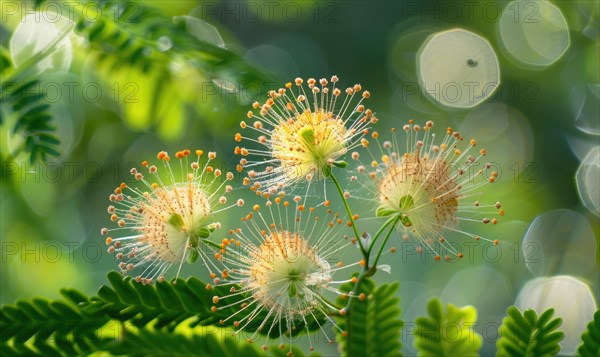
(447, 333)
(526, 334)
(215, 342)
(591, 338)
(127, 44)
(373, 324)
(165, 303)
(170, 304)
(73, 327)
(33, 119)
(28, 327)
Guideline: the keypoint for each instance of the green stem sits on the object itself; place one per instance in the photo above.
(349, 212)
(381, 229)
(366, 271)
(387, 237)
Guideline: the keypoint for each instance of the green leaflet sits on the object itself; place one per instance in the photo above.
(526, 334)
(373, 325)
(40, 321)
(591, 338)
(170, 304)
(340, 164)
(33, 119)
(384, 212)
(405, 204)
(74, 326)
(126, 48)
(193, 256)
(148, 342)
(448, 333)
(309, 137)
(176, 221)
(55, 328)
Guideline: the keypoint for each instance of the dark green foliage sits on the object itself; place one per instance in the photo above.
(129, 318)
(150, 342)
(526, 334)
(373, 325)
(40, 321)
(21, 98)
(43, 327)
(447, 333)
(170, 304)
(591, 338)
(128, 36)
(159, 343)
(5, 61)
(33, 120)
(130, 30)
(125, 41)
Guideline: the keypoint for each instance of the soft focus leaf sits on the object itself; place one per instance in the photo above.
(373, 325)
(591, 338)
(201, 30)
(448, 333)
(35, 36)
(526, 334)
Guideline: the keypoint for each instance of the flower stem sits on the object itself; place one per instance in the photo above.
(366, 271)
(349, 212)
(387, 237)
(366, 252)
(380, 231)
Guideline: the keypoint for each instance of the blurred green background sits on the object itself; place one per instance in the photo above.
(113, 110)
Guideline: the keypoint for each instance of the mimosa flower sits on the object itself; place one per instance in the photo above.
(164, 220)
(280, 265)
(429, 185)
(302, 133)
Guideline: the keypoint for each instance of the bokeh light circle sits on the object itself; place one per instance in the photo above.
(505, 133)
(589, 14)
(458, 68)
(408, 38)
(585, 101)
(34, 34)
(587, 178)
(533, 32)
(481, 286)
(571, 300)
(272, 59)
(559, 242)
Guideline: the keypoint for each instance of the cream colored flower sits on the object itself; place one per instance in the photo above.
(165, 219)
(283, 262)
(301, 132)
(430, 185)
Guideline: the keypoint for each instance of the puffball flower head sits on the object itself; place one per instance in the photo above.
(164, 219)
(281, 262)
(301, 131)
(430, 185)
